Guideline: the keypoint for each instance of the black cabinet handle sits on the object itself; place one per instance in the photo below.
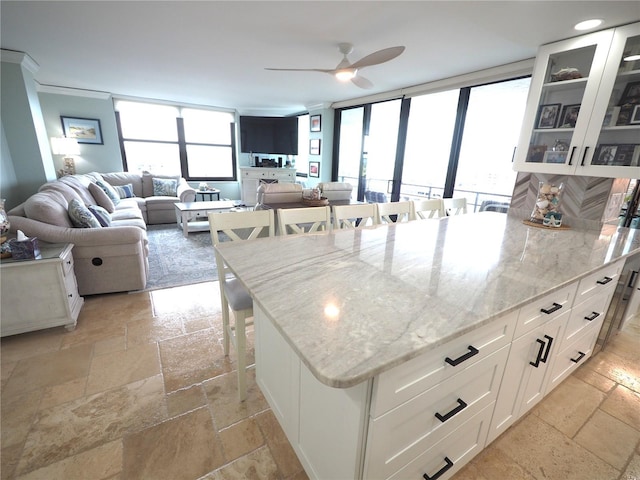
(549, 311)
(579, 357)
(440, 472)
(472, 351)
(573, 150)
(604, 281)
(584, 156)
(545, 357)
(461, 406)
(593, 316)
(539, 356)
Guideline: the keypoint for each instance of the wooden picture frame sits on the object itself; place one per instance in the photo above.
(569, 116)
(314, 146)
(84, 130)
(315, 123)
(314, 169)
(548, 115)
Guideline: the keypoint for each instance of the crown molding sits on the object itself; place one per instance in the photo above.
(14, 56)
(75, 92)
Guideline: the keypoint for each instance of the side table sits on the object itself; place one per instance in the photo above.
(211, 192)
(42, 293)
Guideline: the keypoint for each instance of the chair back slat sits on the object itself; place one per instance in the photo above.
(355, 216)
(428, 208)
(304, 220)
(393, 212)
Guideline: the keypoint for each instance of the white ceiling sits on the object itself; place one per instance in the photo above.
(214, 53)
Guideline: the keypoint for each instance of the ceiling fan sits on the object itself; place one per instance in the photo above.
(346, 70)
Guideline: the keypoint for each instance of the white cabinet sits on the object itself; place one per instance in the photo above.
(250, 178)
(583, 114)
(40, 293)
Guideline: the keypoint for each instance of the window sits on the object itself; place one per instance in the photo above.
(197, 144)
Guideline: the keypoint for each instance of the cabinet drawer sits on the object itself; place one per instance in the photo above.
(545, 309)
(604, 279)
(586, 314)
(451, 454)
(405, 381)
(574, 355)
(402, 434)
(67, 264)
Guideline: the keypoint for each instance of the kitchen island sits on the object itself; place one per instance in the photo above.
(344, 320)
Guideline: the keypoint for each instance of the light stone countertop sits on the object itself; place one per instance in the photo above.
(354, 303)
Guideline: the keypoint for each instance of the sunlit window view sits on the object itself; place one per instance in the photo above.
(380, 146)
(491, 131)
(350, 151)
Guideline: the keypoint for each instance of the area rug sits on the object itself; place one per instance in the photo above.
(175, 260)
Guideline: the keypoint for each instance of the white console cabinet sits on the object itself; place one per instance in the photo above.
(40, 293)
(252, 176)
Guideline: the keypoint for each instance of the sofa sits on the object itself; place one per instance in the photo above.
(112, 256)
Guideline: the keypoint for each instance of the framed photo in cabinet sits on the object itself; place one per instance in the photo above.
(635, 116)
(624, 155)
(536, 153)
(548, 115)
(555, 157)
(569, 116)
(605, 155)
(631, 94)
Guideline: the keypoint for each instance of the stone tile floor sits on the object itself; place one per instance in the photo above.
(141, 390)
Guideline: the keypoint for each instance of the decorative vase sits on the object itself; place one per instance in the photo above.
(4, 219)
(546, 210)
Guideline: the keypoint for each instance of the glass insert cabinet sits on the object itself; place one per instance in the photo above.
(583, 112)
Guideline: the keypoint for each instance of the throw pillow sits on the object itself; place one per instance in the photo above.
(110, 191)
(165, 187)
(125, 191)
(101, 197)
(81, 216)
(103, 217)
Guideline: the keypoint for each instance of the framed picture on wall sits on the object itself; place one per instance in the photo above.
(314, 169)
(84, 130)
(315, 123)
(314, 146)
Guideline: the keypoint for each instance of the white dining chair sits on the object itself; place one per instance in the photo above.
(393, 212)
(454, 206)
(304, 220)
(428, 208)
(237, 226)
(358, 215)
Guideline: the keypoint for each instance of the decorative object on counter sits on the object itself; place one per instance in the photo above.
(569, 73)
(315, 198)
(548, 115)
(23, 247)
(546, 210)
(5, 248)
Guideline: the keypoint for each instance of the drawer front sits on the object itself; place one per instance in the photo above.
(444, 459)
(604, 279)
(586, 314)
(67, 264)
(405, 381)
(545, 309)
(402, 434)
(574, 355)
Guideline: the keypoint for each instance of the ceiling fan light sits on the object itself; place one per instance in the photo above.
(346, 74)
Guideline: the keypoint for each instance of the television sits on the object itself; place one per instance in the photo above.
(269, 135)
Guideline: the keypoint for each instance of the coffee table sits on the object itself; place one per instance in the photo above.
(187, 213)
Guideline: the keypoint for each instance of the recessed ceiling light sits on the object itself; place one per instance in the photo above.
(631, 58)
(588, 24)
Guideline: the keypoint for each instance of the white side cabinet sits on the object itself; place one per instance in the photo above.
(42, 293)
(252, 176)
(583, 114)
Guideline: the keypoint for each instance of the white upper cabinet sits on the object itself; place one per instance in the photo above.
(583, 112)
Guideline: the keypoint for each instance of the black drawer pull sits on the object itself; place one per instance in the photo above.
(537, 362)
(545, 357)
(461, 406)
(549, 311)
(579, 357)
(604, 281)
(593, 316)
(472, 351)
(440, 472)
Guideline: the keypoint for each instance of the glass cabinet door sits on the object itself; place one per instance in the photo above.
(563, 92)
(614, 132)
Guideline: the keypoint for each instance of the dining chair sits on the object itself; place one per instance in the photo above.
(454, 206)
(393, 212)
(428, 208)
(304, 220)
(354, 216)
(237, 226)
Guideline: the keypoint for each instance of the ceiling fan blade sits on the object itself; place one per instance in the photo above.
(378, 57)
(323, 70)
(362, 82)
